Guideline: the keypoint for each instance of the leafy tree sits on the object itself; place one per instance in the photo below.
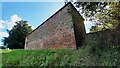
(17, 35)
(110, 18)
(97, 12)
(89, 9)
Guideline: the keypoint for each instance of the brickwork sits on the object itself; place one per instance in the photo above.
(58, 31)
(104, 38)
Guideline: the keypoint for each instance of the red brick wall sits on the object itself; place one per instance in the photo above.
(79, 28)
(57, 32)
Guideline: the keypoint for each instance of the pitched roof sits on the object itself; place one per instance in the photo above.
(56, 13)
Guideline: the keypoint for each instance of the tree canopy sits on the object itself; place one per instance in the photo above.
(110, 18)
(89, 9)
(106, 15)
(17, 35)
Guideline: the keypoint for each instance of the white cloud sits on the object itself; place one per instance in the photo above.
(15, 18)
(3, 34)
(2, 24)
(10, 23)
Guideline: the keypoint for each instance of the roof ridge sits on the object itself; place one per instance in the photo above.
(53, 15)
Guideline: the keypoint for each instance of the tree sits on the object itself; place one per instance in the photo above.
(17, 35)
(110, 18)
(89, 9)
(105, 18)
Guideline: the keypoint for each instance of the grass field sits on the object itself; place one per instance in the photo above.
(60, 57)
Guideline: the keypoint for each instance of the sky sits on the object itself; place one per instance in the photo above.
(33, 12)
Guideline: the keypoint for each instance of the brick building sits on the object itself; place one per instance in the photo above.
(64, 29)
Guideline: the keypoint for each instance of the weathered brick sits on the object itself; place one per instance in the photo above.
(65, 29)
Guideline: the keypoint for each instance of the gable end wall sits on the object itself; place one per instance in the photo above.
(57, 32)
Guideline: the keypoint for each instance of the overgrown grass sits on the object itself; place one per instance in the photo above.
(60, 57)
(88, 55)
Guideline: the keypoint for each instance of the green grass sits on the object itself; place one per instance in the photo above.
(58, 57)
(61, 57)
